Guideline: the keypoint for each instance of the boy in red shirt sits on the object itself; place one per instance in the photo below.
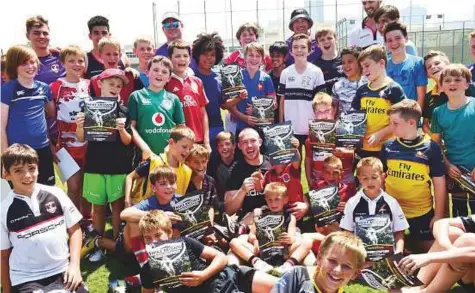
(190, 91)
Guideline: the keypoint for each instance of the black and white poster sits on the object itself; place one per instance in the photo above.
(269, 227)
(231, 80)
(278, 145)
(263, 110)
(324, 202)
(194, 212)
(351, 128)
(386, 274)
(322, 133)
(167, 260)
(100, 114)
(377, 235)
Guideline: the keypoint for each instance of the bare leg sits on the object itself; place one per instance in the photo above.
(263, 283)
(75, 188)
(98, 221)
(242, 248)
(117, 207)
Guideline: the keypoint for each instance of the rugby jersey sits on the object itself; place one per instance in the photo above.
(298, 91)
(377, 102)
(344, 90)
(36, 228)
(410, 166)
(361, 205)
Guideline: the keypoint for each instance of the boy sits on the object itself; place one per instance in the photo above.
(407, 70)
(277, 52)
(109, 52)
(209, 272)
(434, 62)
(24, 102)
(98, 28)
(208, 51)
(325, 107)
(246, 34)
(376, 98)
(276, 197)
(298, 84)
(372, 200)
(144, 50)
(179, 145)
(190, 91)
(344, 90)
(69, 94)
(154, 111)
(256, 82)
(36, 221)
(329, 62)
(220, 166)
(107, 163)
(389, 14)
(414, 165)
(453, 122)
(332, 174)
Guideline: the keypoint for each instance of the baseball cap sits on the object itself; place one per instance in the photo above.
(113, 72)
(170, 14)
(299, 13)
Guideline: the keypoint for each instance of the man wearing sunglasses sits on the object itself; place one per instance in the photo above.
(172, 27)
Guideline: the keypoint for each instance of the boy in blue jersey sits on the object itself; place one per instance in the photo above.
(208, 51)
(24, 101)
(256, 82)
(453, 122)
(407, 70)
(414, 164)
(277, 52)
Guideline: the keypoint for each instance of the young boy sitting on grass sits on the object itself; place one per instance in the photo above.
(36, 222)
(340, 258)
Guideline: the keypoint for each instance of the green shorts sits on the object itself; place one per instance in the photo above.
(101, 189)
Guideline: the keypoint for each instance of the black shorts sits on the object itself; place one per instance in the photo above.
(232, 279)
(54, 283)
(420, 226)
(45, 166)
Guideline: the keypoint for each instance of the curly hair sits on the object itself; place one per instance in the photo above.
(208, 42)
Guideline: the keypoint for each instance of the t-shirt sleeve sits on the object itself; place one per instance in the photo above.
(202, 98)
(383, 156)
(283, 78)
(72, 215)
(399, 219)
(395, 93)
(434, 124)
(411, 48)
(48, 94)
(356, 103)
(144, 205)
(269, 86)
(347, 222)
(133, 107)
(426, 109)
(436, 163)
(194, 245)
(178, 115)
(4, 239)
(7, 93)
(421, 74)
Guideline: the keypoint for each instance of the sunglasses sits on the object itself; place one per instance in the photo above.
(170, 25)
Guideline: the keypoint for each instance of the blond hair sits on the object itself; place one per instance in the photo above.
(407, 109)
(375, 53)
(372, 162)
(155, 220)
(198, 151)
(325, 31)
(72, 51)
(224, 135)
(179, 132)
(16, 56)
(322, 98)
(456, 70)
(349, 242)
(108, 41)
(333, 161)
(147, 40)
(276, 188)
(254, 46)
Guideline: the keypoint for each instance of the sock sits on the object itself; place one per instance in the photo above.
(138, 248)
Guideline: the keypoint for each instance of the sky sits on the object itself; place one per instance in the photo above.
(67, 19)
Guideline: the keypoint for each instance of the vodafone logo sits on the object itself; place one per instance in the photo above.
(158, 119)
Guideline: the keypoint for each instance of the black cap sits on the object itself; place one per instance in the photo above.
(300, 13)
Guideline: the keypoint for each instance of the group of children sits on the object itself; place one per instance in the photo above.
(171, 161)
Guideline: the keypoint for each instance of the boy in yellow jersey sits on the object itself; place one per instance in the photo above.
(413, 164)
(376, 99)
(340, 258)
(180, 143)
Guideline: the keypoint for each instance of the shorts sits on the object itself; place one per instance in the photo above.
(49, 284)
(78, 154)
(231, 279)
(101, 189)
(45, 166)
(419, 227)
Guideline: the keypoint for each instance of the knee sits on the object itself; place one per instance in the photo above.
(465, 240)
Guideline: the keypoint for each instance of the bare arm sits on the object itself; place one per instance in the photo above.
(132, 215)
(426, 126)
(6, 283)
(281, 109)
(129, 180)
(125, 137)
(399, 241)
(440, 198)
(205, 127)
(217, 262)
(50, 110)
(4, 120)
(139, 142)
(233, 201)
(72, 276)
(234, 101)
(441, 230)
(80, 126)
(292, 226)
(421, 95)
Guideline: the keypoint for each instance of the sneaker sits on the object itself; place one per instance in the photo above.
(90, 244)
(261, 265)
(96, 255)
(117, 286)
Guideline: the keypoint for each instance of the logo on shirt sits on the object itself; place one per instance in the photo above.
(306, 81)
(286, 178)
(188, 101)
(158, 119)
(167, 104)
(51, 207)
(421, 155)
(260, 86)
(194, 87)
(19, 93)
(175, 89)
(55, 68)
(291, 78)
